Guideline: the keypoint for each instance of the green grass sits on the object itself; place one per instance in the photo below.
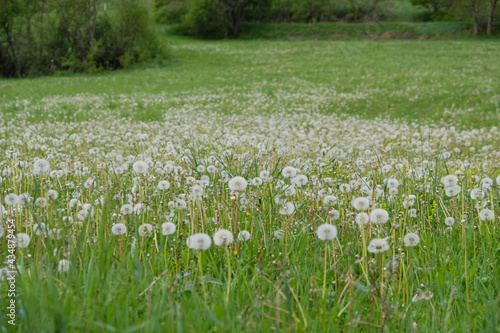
(449, 81)
(343, 31)
(338, 110)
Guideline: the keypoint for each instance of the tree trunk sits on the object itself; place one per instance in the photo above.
(491, 17)
(92, 27)
(475, 19)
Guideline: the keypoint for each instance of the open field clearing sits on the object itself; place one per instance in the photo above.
(252, 186)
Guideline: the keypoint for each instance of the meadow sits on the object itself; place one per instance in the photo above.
(257, 186)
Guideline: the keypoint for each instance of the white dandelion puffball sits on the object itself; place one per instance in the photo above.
(327, 232)
(237, 183)
(362, 218)
(289, 172)
(290, 191)
(379, 216)
(22, 240)
(411, 239)
(140, 167)
(279, 234)
(200, 242)
(287, 209)
(145, 229)
(52, 194)
(257, 181)
(378, 245)
(361, 203)
(486, 215)
(412, 212)
(119, 229)
(498, 180)
(211, 169)
(196, 191)
(243, 235)
(329, 200)
(450, 180)
(392, 183)
(334, 214)
(11, 199)
(453, 190)
(300, 180)
(449, 221)
(163, 185)
(63, 265)
(41, 166)
(168, 228)
(223, 237)
(127, 209)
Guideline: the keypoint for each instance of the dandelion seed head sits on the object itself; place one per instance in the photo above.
(223, 237)
(327, 232)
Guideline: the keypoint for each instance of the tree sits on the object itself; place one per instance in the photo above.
(493, 4)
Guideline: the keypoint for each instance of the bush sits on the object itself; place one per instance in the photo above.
(170, 11)
(74, 36)
(207, 18)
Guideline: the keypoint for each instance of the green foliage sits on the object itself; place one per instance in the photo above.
(61, 36)
(207, 18)
(171, 11)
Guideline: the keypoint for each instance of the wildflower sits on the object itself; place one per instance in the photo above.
(379, 216)
(211, 169)
(392, 183)
(41, 166)
(11, 199)
(449, 221)
(52, 194)
(196, 191)
(361, 203)
(412, 212)
(279, 234)
(419, 295)
(300, 180)
(200, 242)
(168, 228)
(63, 265)
(22, 240)
(243, 235)
(290, 191)
(126, 209)
(411, 239)
(145, 229)
(119, 229)
(287, 209)
(223, 237)
(140, 167)
(362, 218)
(288, 172)
(237, 184)
(163, 185)
(257, 181)
(486, 215)
(452, 191)
(334, 214)
(329, 200)
(327, 232)
(378, 245)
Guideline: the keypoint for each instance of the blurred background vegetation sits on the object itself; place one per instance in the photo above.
(43, 37)
(226, 18)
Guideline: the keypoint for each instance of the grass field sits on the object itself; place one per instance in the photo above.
(394, 145)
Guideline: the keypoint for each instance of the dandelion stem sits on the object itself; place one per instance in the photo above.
(324, 270)
(200, 268)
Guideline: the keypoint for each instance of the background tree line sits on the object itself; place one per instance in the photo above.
(223, 18)
(40, 37)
